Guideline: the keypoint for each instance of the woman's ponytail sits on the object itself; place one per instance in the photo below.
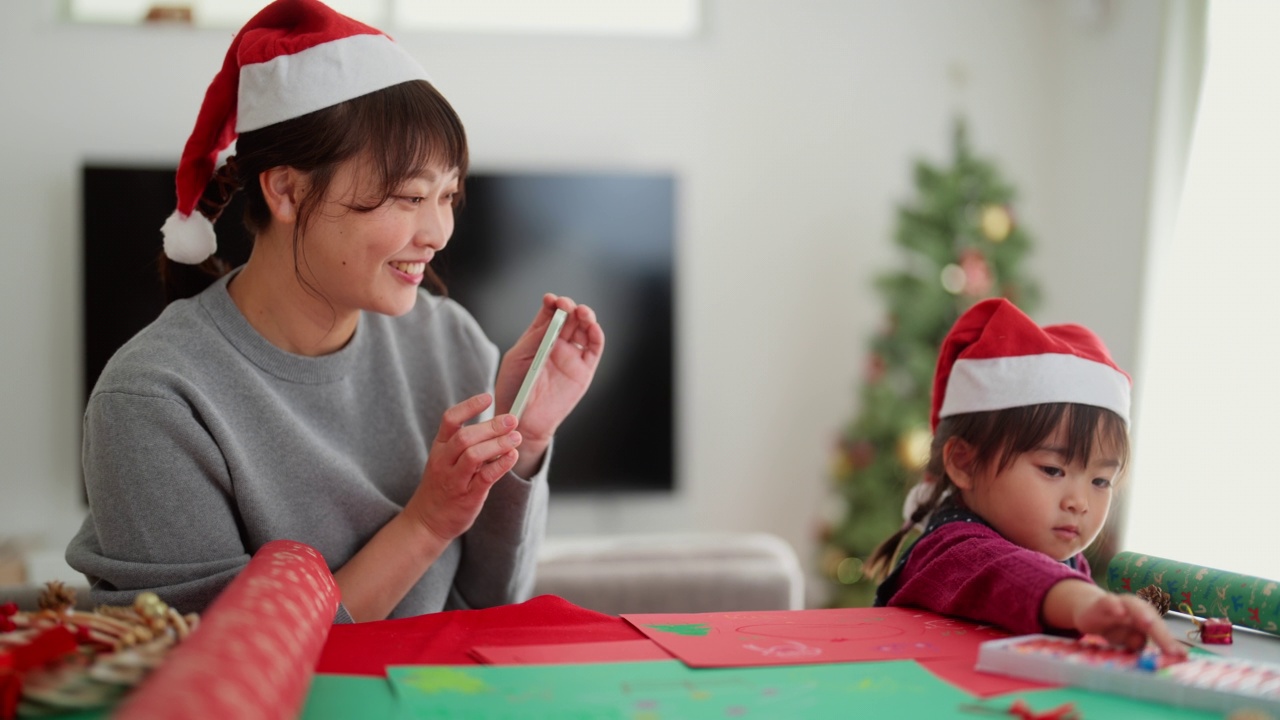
(181, 280)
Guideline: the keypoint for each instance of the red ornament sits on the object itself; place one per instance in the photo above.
(978, 279)
(875, 368)
(862, 454)
(9, 608)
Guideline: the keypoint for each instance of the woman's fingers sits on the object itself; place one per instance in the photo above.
(455, 417)
(492, 471)
(476, 455)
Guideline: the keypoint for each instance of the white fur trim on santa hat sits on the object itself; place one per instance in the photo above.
(189, 239)
(289, 86)
(1006, 382)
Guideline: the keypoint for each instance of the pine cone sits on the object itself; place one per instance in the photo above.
(56, 597)
(1157, 597)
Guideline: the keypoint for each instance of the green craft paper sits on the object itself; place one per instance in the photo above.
(1245, 600)
(664, 690)
(342, 697)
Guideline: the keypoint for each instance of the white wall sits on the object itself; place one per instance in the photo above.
(791, 126)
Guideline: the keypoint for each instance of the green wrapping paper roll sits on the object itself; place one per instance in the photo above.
(1245, 600)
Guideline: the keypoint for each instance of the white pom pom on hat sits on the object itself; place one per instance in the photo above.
(995, 357)
(294, 57)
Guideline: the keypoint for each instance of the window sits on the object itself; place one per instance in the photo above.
(1208, 413)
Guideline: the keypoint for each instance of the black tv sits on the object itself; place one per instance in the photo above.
(605, 239)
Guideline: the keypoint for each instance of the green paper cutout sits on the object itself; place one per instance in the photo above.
(692, 629)
(432, 680)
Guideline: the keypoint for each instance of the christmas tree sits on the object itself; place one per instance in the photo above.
(962, 245)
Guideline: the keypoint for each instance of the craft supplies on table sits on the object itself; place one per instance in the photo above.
(1207, 682)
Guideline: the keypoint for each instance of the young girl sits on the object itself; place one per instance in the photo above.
(1030, 436)
(317, 393)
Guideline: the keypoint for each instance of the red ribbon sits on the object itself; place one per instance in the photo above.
(1062, 712)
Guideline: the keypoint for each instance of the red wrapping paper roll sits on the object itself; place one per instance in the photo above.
(253, 653)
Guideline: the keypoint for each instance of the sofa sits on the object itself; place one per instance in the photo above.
(642, 573)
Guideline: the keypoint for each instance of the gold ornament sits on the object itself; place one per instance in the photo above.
(840, 465)
(996, 223)
(831, 560)
(913, 448)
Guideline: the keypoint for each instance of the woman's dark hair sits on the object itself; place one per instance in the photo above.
(400, 130)
(997, 438)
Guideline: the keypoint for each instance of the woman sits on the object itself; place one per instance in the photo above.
(318, 393)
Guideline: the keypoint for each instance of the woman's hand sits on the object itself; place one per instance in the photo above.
(564, 379)
(464, 462)
(1125, 620)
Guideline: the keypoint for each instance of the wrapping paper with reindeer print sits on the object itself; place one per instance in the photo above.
(1245, 600)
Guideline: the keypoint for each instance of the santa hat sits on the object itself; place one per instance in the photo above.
(995, 357)
(292, 58)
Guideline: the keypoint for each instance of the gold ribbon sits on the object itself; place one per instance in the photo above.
(1192, 634)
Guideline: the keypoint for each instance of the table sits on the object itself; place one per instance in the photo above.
(351, 679)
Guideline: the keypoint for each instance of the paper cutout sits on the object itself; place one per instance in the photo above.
(622, 651)
(780, 637)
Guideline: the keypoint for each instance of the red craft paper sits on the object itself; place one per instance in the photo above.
(788, 637)
(252, 655)
(446, 638)
(591, 652)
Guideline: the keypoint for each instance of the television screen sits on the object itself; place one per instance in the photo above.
(603, 239)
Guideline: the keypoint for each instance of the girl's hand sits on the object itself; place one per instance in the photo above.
(565, 378)
(1126, 620)
(464, 462)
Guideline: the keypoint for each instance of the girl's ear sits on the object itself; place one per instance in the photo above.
(957, 458)
(282, 188)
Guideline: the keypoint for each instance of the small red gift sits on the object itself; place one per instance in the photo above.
(1216, 631)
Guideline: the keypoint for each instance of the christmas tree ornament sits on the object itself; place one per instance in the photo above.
(849, 571)
(978, 279)
(913, 448)
(996, 222)
(953, 279)
(875, 368)
(862, 454)
(840, 464)
(831, 559)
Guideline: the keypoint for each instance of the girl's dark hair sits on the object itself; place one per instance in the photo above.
(997, 438)
(399, 130)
